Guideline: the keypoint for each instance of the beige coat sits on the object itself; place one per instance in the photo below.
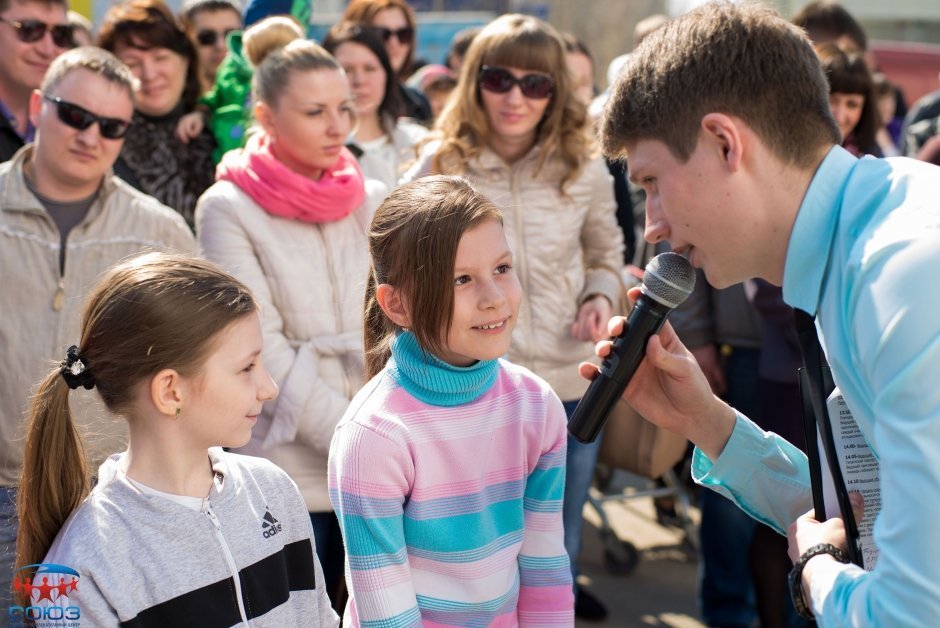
(309, 280)
(563, 246)
(36, 325)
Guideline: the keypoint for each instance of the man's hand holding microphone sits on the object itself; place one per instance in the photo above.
(648, 365)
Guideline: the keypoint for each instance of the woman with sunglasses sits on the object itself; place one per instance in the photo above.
(394, 20)
(146, 36)
(384, 141)
(515, 128)
(289, 217)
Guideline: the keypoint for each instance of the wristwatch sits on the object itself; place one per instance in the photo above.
(795, 579)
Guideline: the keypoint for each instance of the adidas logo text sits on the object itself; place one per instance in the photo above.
(269, 525)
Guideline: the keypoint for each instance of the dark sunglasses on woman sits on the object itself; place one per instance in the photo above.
(29, 31)
(404, 34)
(208, 37)
(501, 80)
(80, 118)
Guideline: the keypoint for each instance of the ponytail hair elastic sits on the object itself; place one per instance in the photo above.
(75, 370)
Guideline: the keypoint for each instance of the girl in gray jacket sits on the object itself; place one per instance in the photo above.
(177, 532)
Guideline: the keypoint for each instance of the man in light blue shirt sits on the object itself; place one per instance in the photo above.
(724, 116)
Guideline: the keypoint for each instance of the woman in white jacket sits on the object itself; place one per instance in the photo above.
(288, 216)
(516, 130)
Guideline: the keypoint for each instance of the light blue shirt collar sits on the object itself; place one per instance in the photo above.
(813, 231)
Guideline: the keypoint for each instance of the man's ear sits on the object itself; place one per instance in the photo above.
(725, 133)
(166, 392)
(392, 303)
(35, 106)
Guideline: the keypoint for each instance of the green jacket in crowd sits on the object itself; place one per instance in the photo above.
(229, 101)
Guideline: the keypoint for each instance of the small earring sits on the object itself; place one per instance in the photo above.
(178, 410)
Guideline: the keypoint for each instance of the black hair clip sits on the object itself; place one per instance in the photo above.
(75, 370)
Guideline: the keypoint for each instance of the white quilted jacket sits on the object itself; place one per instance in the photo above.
(309, 280)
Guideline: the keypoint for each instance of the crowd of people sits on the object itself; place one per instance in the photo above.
(321, 311)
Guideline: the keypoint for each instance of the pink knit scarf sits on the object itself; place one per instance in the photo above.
(282, 192)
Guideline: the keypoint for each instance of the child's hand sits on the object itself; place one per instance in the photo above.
(591, 323)
(190, 126)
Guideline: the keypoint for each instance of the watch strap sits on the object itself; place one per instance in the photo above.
(795, 578)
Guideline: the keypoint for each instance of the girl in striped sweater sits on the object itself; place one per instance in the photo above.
(447, 470)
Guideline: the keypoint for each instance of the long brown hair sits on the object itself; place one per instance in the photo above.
(412, 246)
(527, 43)
(144, 315)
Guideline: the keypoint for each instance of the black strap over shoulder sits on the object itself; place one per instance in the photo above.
(814, 364)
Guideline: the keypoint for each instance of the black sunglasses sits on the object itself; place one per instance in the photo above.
(208, 37)
(29, 31)
(404, 34)
(501, 80)
(80, 118)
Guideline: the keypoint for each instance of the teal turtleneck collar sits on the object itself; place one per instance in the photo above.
(433, 381)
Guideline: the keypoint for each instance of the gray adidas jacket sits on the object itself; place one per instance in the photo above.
(146, 561)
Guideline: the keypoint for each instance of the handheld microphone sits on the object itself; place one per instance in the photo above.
(667, 281)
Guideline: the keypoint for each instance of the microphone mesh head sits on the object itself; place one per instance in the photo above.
(669, 278)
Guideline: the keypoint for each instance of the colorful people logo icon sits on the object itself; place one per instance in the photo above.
(26, 589)
(40, 601)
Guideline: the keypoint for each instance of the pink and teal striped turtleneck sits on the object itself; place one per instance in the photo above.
(451, 512)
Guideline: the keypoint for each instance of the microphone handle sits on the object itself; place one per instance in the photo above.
(617, 370)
